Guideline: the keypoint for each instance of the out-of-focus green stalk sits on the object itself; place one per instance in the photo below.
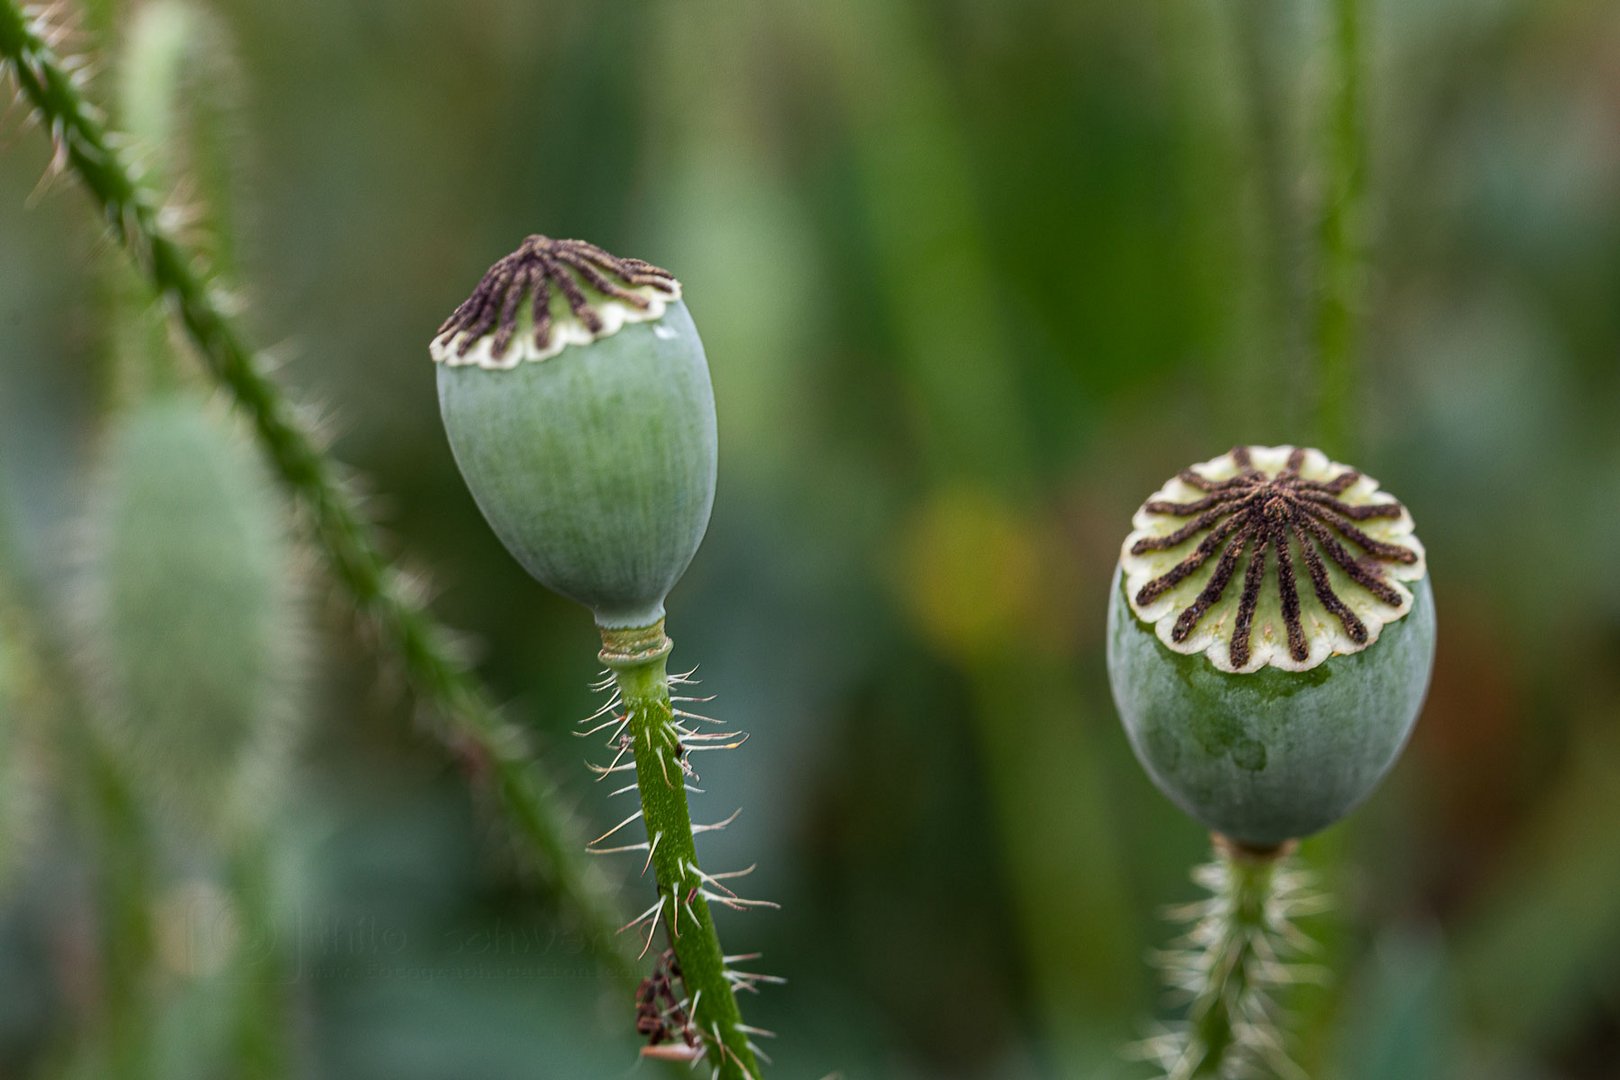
(149, 104)
(1230, 292)
(125, 866)
(1342, 240)
(932, 257)
(262, 1021)
(177, 94)
(409, 636)
(1053, 817)
(125, 859)
(1279, 249)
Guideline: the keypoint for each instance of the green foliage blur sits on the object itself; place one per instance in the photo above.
(973, 278)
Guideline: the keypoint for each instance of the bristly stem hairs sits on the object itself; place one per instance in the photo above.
(654, 735)
(1231, 963)
(473, 728)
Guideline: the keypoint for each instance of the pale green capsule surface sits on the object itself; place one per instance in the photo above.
(592, 455)
(1268, 719)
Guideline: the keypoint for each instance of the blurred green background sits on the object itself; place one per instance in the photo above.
(973, 278)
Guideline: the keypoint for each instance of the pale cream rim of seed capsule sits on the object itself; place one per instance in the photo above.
(1324, 634)
(566, 329)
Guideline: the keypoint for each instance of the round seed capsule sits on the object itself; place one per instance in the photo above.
(576, 397)
(1270, 639)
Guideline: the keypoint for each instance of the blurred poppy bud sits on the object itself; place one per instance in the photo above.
(576, 397)
(1271, 634)
(192, 621)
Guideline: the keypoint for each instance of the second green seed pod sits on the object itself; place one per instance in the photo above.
(1270, 637)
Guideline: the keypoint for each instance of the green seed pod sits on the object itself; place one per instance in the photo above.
(1270, 708)
(190, 622)
(576, 396)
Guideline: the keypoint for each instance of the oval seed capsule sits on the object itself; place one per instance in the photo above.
(1271, 634)
(576, 397)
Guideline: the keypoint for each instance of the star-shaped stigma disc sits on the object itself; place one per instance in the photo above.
(546, 295)
(1318, 553)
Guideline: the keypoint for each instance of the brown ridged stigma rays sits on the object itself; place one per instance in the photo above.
(540, 269)
(1266, 517)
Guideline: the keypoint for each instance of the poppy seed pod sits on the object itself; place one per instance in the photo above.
(576, 397)
(1270, 637)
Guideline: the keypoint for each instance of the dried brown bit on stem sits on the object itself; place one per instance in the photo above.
(539, 266)
(662, 1014)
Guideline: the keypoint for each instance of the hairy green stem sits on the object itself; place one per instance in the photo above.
(1215, 1014)
(1231, 963)
(476, 733)
(637, 659)
(1342, 240)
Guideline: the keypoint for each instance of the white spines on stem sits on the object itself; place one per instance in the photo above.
(1240, 952)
